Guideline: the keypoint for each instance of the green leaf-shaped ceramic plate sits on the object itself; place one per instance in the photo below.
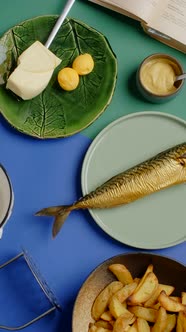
(55, 112)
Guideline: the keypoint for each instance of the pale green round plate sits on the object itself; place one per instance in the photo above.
(55, 112)
(158, 220)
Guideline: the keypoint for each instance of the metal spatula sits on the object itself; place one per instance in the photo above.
(59, 22)
(54, 304)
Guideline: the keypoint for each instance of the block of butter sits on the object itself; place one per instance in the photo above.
(34, 71)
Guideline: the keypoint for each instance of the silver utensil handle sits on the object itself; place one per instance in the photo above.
(59, 22)
(180, 77)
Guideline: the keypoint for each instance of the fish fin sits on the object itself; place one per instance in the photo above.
(51, 211)
(59, 221)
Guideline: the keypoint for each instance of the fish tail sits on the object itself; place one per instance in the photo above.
(59, 212)
(59, 220)
(50, 211)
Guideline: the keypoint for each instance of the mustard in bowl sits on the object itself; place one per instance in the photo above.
(156, 77)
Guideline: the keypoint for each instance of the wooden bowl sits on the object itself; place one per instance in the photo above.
(167, 270)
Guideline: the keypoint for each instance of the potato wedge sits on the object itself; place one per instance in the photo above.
(125, 304)
(169, 304)
(144, 290)
(104, 324)
(161, 321)
(148, 314)
(181, 322)
(92, 328)
(137, 280)
(122, 323)
(133, 328)
(142, 325)
(152, 300)
(112, 322)
(156, 306)
(167, 288)
(123, 293)
(117, 308)
(101, 329)
(183, 297)
(175, 298)
(106, 316)
(171, 322)
(122, 273)
(102, 300)
(148, 270)
(184, 321)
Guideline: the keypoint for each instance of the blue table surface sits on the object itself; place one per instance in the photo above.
(45, 173)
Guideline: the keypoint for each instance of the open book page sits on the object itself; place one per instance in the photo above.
(172, 20)
(141, 9)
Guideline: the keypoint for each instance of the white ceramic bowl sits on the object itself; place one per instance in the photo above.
(6, 198)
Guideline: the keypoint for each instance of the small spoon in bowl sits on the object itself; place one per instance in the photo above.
(180, 77)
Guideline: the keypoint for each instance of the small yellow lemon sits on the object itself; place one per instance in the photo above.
(68, 79)
(83, 64)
